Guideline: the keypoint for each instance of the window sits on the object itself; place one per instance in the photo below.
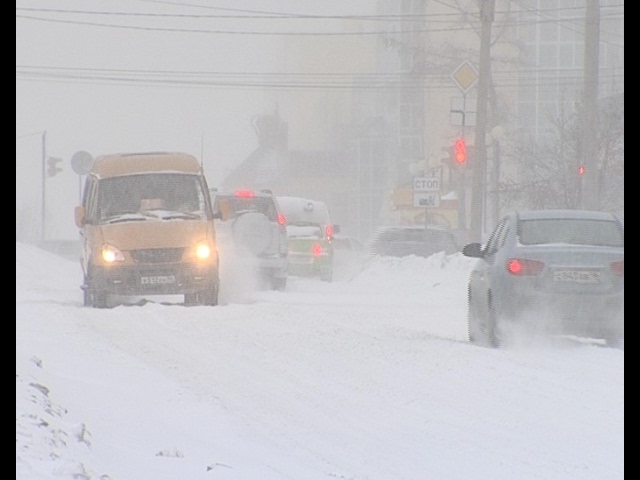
(89, 200)
(239, 205)
(571, 231)
(133, 193)
(493, 242)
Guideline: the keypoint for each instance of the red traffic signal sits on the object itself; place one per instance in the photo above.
(581, 170)
(460, 151)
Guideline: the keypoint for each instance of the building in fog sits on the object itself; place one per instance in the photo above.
(370, 112)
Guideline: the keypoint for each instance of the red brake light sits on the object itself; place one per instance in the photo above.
(316, 249)
(618, 268)
(244, 193)
(520, 267)
(281, 219)
(328, 230)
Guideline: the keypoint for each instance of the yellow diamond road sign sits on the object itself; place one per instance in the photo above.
(465, 76)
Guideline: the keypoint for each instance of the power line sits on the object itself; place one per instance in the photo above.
(288, 81)
(261, 16)
(254, 32)
(223, 32)
(270, 15)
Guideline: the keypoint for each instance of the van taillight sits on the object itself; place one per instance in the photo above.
(328, 230)
(520, 267)
(316, 249)
(281, 219)
(618, 268)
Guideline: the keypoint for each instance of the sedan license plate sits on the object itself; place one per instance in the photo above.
(158, 279)
(577, 276)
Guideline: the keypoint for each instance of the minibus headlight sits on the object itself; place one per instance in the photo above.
(203, 251)
(111, 254)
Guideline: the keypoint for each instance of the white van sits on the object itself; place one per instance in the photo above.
(310, 237)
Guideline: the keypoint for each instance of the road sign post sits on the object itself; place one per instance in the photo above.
(426, 193)
(81, 163)
(465, 76)
(426, 184)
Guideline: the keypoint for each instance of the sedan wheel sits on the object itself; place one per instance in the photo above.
(472, 320)
(492, 327)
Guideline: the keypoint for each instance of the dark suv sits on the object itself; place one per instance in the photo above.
(250, 227)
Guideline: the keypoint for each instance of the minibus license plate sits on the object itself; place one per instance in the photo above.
(158, 279)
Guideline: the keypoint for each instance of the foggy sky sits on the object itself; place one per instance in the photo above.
(102, 117)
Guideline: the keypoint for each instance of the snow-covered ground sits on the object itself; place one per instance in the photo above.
(368, 377)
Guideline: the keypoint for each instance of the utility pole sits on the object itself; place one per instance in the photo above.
(478, 187)
(590, 198)
(462, 178)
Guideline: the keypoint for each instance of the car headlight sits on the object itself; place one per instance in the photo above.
(111, 254)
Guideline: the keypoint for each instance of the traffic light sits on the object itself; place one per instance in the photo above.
(581, 170)
(52, 170)
(460, 151)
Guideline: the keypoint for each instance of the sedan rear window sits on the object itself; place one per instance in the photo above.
(571, 231)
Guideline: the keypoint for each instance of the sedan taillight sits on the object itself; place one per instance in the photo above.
(522, 267)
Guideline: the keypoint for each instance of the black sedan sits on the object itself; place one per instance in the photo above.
(548, 272)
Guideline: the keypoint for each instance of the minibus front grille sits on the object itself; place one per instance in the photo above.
(157, 255)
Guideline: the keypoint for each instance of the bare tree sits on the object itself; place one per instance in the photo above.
(548, 175)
